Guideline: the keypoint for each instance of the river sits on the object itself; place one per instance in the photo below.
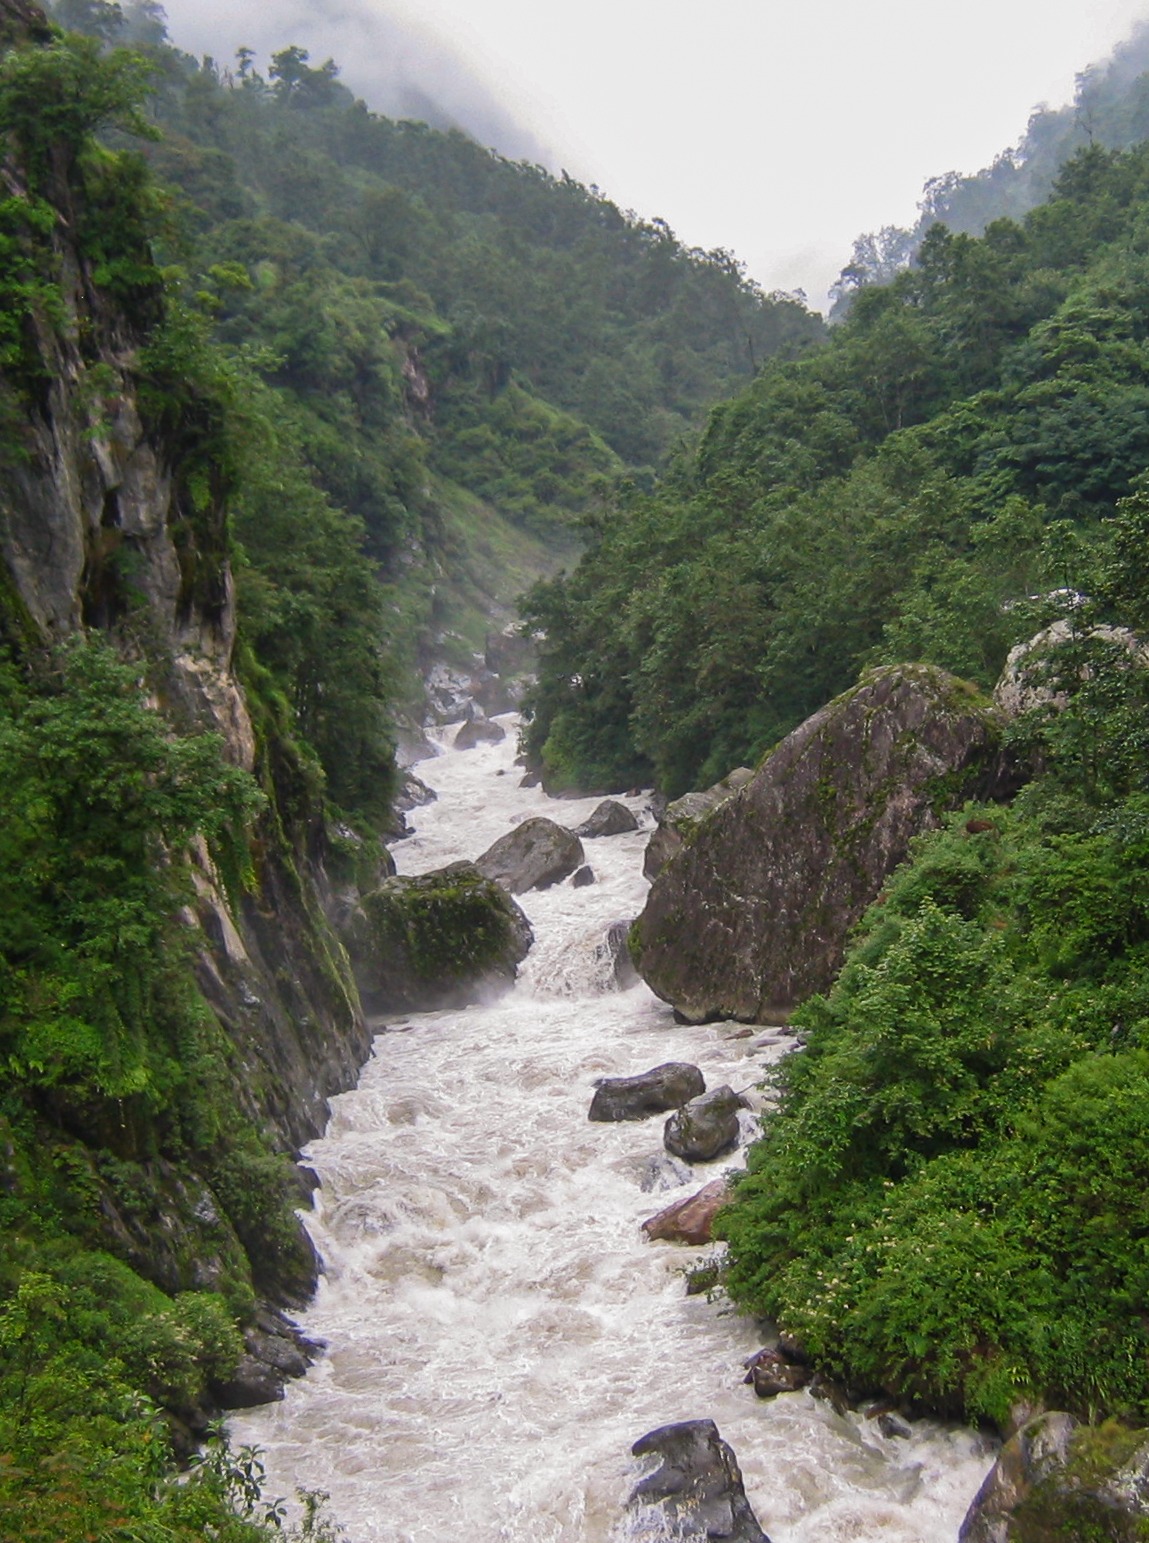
(499, 1331)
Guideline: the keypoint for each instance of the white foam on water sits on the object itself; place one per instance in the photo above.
(499, 1331)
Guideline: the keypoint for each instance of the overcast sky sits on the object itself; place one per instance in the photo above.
(779, 130)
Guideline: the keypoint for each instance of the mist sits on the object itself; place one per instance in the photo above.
(396, 66)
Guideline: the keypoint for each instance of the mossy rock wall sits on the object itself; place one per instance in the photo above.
(753, 914)
(441, 939)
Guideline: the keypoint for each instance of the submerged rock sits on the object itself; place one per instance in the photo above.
(439, 939)
(535, 855)
(690, 1220)
(705, 1127)
(697, 1493)
(664, 1087)
(661, 1171)
(754, 912)
(610, 819)
(678, 821)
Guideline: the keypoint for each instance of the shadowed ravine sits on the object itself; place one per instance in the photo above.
(499, 1331)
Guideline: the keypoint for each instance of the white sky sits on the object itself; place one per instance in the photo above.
(776, 129)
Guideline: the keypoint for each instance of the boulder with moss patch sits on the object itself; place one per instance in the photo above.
(439, 939)
(753, 913)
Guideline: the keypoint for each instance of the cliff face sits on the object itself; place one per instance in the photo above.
(113, 519)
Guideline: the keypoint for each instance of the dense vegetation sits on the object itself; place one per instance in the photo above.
(898, 494)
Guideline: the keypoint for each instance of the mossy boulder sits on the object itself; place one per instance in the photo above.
(753, 914)
(1060, 1482)
(440, 939)
(679, 820)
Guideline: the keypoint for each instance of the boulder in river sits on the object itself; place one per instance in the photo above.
(582, 877)
(615, 948)
(690, 1220)
(770, 1373)
(678, 821)
(610, 819)
(754, 912)
(479, 731)
(660, 1171)
(705, 1127)
(441, 939)
(664, 1087)
(697, 1493)
(534, 855)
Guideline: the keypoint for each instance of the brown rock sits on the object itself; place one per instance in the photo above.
(690, 1220)
(770, 1373)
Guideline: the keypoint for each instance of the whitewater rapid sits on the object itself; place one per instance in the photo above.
(499, 1331)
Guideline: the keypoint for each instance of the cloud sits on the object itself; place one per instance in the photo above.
(396, 66)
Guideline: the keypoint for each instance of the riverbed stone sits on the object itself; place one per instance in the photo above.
(435, 940)
(479, 731)
(690, 1220)
(610, 819)
(706, 1127)
(770, 1373)
(582, 877)
(534, 855)
(754, 913)
(664, 1087)
(697, 1493)
(661, 1172)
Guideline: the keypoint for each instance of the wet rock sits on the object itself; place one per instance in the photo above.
(689, 1220)
(697, 1493)
(664, 1087)
(1038, 1452)
(705, 1127)
(610, 819)
(678, 821)
(827, 1391)
(581, 877)
(893, 1427)
(413, 793)
(770, 1373)
(535, 855)
(252, 1382)
(615, 947)
(479, 731)
(661, 1171)
(754, 912)
(440, 939)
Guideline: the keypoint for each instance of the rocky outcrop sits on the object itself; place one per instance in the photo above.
(705, 1127)
(534, 855)
(1060, 1482)
(610, 819)
(440, 939)
(697, 1494)
(1027, 681)
(654, 1092)
(690, 1220)
(680, 819)
(753, 914)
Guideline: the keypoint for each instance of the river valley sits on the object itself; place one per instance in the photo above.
(499, 1331)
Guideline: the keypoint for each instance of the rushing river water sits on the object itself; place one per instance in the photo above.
(499, 1330)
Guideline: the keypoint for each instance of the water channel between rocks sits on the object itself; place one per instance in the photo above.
(499, 1331)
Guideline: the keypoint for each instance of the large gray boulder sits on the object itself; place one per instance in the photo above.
(697, 1493)
(679, 820)
(610, 818)
(654, 1092)
(705, 1127)
(478, 731)
(534, 855)
(440, 939)
(753, 913)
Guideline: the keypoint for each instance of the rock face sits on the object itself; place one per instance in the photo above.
(690, 1220)
(678, 821)
(705, 1127)
(1024, 683)
(610, 819)
(1059, 1482)
(535, 855)
(753, 914)
(441, 939)
(654, 1092)
(697, 1494)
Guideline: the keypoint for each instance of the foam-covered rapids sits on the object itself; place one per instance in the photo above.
(499, 1330)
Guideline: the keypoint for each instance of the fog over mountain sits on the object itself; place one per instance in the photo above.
(398, 67)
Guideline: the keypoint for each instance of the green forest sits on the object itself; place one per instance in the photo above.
(394, 380)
